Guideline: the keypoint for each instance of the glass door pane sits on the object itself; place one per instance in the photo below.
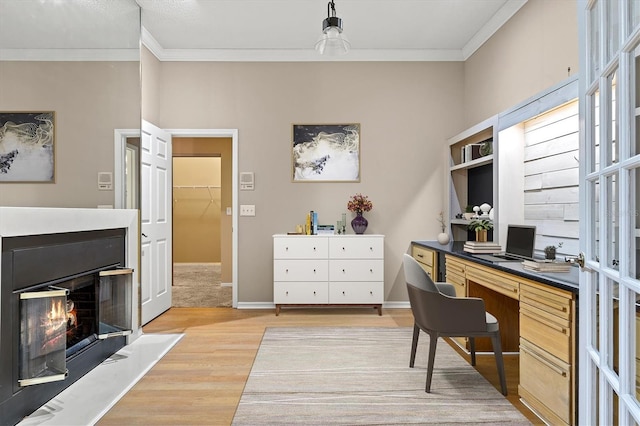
(593, 34)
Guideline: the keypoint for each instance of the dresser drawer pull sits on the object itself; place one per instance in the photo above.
(286, 271)
(371, 270)
(286, 249)
(419, 255)
(314, 293)
(343, 271)
(314, 271)
(343, 249)
(314, 249)
(371, 293)
(371, 248)
(343, 293)
(287, 292)
(545, 362)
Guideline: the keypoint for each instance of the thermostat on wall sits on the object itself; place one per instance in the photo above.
(246, 181)
(105, 181)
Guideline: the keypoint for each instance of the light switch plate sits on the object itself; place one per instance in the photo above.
(247, 210)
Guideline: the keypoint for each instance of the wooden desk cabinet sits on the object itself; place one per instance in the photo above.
(427, 259)
(538, 321)
(328, 270)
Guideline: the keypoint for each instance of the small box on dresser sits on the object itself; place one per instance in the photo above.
(328, 270)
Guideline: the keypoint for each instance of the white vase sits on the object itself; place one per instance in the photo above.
(443, 238)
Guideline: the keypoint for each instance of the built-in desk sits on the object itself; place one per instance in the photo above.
(537, 316)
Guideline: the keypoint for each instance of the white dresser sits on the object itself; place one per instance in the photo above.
(328, 270)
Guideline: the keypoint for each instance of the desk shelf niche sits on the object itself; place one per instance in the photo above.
(472, 175)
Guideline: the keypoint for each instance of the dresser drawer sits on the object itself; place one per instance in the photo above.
(455, 265)
(423, 255)
(356, 270)
(550, 333)
(356, 248)
(300, 293)
(300, 270)
(547, 380)
(459, 283)
(356, 293)
(494, 280)
(300, 248)
(550, 300)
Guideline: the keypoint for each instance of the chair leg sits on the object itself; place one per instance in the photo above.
(472, 349)
(497, 350)
(414, 345)
(433, 341)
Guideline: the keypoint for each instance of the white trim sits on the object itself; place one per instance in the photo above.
(271, 305)
(112, 55)
(510, 8)
(119, 144)
(233, 134)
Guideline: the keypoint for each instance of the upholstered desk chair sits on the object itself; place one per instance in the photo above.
(439, 313)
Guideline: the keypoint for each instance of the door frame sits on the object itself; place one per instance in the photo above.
(120, 143)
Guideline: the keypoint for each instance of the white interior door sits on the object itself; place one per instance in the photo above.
(155, 213)
(609, 362)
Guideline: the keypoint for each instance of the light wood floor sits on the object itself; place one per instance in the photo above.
(200, 381)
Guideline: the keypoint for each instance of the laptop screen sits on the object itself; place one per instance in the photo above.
(521, 241)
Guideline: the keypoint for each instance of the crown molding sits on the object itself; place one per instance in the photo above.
(505, 13)
(117, 55)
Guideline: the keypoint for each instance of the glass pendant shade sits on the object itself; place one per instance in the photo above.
(333, 42)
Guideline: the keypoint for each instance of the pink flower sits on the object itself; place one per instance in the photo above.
(359, 203)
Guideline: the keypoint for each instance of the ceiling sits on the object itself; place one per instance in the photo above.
(253, 30)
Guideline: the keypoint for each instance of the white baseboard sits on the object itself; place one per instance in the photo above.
(226, 284)
(271, 305)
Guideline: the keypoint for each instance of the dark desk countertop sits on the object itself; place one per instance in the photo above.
(563, 280)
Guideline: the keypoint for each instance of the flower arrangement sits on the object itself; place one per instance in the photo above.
(443, 224)
(359, 203)
(550, 251)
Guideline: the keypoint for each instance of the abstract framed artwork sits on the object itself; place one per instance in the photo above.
(326, 153)
(27, 146)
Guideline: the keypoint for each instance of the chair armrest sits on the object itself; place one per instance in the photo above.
(446, 288)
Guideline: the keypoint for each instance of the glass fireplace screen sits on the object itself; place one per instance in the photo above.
(43, 329)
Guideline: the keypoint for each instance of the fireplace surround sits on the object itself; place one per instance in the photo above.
(67, 301)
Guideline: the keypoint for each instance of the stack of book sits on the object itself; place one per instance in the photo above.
(487, 247)
(545, 266)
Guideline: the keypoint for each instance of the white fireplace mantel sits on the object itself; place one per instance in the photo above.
(24, 221)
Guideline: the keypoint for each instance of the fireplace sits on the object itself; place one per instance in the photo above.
(65, 306)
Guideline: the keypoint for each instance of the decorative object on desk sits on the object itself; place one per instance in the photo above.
(550, 251)
(476, 211)
(485, 208)
(443, 237)
(468, 212)
(326, 153)
(28, 142)
(480, 226)
(359, 203)
(545, 266)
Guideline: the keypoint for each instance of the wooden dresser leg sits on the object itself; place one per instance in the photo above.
(379, 307)
(277, 310)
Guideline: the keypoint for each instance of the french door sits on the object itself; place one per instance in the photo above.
(609, 299)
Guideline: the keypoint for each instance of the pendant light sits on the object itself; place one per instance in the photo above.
(332, 41)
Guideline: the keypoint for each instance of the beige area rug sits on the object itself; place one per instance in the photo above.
(197, 285)
(361, 376)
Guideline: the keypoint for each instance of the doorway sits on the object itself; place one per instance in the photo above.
(214, 134)
(202, 225)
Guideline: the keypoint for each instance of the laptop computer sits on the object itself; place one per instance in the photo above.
(520, 245)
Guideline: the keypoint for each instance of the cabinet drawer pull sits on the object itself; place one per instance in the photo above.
(371, 270)
(541, 320)
(286, 271)
(540, 359)
(419, 255)
(287, 293)
(286, 249)
(371, 293)
(371, 248)
(343, 248)
(314, 249)
(314, 271)
(343, 271)
(314, 293)
(343, 293)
